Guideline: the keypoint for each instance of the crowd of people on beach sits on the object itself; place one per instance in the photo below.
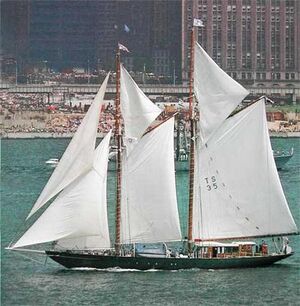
(32, 113)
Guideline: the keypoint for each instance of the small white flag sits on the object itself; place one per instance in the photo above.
(121, 47)
(198, 23)
(126, 28)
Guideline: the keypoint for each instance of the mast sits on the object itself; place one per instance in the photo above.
(118, 136)
(192, 145)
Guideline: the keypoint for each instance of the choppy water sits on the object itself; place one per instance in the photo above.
(27, 282)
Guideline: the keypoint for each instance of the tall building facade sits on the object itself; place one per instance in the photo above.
(166, 37)
(250, 39)
(14, 46)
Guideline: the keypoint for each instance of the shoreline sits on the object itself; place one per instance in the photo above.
(284, 134)
(48, 135)
(40, 135)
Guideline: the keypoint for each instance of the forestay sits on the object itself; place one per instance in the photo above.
(238, 191)
(78, 157)
(77, 218)
(217, 93)
(138, 111)
(149, 203)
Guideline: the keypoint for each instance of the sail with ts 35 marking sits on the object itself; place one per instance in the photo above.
(79, 155)
(217, 93)
(77, 218)
(238, 193)
(149, 204)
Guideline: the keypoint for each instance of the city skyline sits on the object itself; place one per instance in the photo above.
(249, 39)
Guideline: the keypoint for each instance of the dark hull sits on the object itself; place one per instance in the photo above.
(69, 260)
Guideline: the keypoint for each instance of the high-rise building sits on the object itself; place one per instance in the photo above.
(166, 38)
(250, 39)
(14, 33)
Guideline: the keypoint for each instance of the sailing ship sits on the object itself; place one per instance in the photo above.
(235, 193)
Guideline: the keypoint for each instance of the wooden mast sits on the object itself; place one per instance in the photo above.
(118, 135)
(192, 144)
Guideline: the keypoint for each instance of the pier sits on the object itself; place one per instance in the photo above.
(284, 89)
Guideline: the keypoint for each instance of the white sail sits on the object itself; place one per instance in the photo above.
(78, 157)
(238, 191)
(217, 93)
(77, 218)
(149, 203)
(138, 111)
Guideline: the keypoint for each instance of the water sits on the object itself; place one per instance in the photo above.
(28, 282)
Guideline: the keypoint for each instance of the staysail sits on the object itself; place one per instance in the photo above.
(78, 157)
(149, 204)
(78, 216)
(138, 111)
(217, 93)
(238, 192)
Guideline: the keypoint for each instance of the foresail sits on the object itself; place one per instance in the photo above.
(149, 204)
(78, 216)
(78, 157)
(217, 93)
(138, 111)
(238, 190)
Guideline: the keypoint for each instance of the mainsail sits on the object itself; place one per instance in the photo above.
(138, 111)
(78, 216)
(238, 192)
(217, 93)
(78, 157)
(149, 203)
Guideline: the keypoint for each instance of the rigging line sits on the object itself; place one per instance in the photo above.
(160, 123)
(268, 170)
(244, 107)
(18, 231)
(30, 258)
